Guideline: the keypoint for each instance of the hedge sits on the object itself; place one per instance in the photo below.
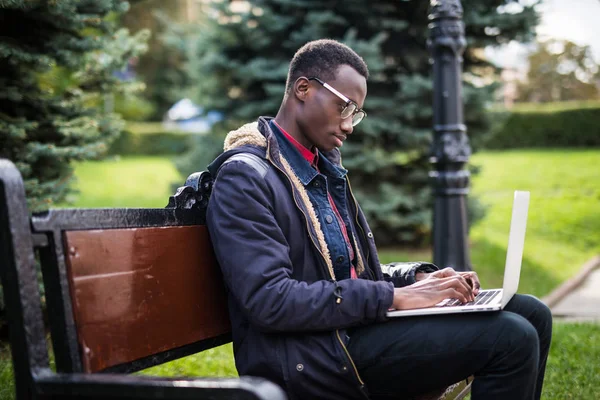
(150, 139)
(530, 129)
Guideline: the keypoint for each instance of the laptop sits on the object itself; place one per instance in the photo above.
(493, 299)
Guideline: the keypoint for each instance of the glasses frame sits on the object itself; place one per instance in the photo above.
(344, 98)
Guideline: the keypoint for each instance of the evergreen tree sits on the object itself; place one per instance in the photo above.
(241, 61)
(57, 64)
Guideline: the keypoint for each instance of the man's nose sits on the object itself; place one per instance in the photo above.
(346, 125)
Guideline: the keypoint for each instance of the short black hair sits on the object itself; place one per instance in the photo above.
(322, 58)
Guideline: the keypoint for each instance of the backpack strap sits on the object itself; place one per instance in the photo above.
(254, 161)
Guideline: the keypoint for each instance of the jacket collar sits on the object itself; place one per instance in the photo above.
(265, 140)
(302, 168)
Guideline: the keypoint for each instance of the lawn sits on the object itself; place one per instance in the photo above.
(573, 370)
(564, 215)
(562, 234)
(124, 182)
(563, 228)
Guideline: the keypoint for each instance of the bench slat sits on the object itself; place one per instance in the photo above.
(141, 291)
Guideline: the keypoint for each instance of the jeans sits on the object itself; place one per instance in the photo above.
(506, 351)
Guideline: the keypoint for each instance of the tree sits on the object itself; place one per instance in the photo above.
(58, 60)
(560, 70)
(161, 68)
(241, 61)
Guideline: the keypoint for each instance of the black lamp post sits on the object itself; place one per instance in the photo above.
(450, 150)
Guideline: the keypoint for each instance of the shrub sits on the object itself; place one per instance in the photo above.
(133, 107)
(150, 139)
(558, 125)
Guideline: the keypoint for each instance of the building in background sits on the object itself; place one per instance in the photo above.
(186, 116)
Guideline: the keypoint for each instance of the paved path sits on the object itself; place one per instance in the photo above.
(582, 303)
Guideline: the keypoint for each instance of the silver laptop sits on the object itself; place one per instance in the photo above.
(493, 299)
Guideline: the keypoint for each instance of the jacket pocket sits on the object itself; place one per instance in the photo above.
(319, 369)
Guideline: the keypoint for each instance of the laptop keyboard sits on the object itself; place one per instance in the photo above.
(483, 297)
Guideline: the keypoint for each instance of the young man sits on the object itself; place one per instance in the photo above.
(307, 295)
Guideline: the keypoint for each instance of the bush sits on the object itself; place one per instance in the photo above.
(150, 139)
(558, 125)
(554, 106)
(133, 107)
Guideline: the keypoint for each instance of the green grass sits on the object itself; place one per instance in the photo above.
(7, 384)
(573, 370)
(563, 223)
(125, 182)
(212, 362)
(564, 214)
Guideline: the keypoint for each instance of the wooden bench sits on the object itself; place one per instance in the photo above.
(125, 289)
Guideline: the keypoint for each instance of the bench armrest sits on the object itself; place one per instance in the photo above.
(107, 386)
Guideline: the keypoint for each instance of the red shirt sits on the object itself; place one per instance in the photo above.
(312, 156)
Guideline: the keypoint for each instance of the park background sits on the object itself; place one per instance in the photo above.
(113, 104)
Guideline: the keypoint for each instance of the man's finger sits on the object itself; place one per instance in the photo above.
(452, 293)
(466, 287)
(473, 279)
(459, 284)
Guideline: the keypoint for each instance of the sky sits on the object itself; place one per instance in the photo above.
(574, 20)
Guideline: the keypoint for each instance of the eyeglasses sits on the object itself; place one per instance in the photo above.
(350, 109)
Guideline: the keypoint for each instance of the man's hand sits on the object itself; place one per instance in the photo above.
(470, 276)
(473, 279)
(432, 288)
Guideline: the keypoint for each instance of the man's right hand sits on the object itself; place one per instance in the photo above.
(438, 286)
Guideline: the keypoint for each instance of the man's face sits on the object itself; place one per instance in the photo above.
(320, 120)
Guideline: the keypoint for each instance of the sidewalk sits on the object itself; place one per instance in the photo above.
(578, 300)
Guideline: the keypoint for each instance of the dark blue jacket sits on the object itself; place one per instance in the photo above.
(282, 261)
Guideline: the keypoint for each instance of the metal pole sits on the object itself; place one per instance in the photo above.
(450, 149)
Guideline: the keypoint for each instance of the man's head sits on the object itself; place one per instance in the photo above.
(326, 79)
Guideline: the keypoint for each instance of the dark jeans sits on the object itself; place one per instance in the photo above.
(506, 351)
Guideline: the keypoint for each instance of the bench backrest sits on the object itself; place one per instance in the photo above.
(125, 289)
(129, 288)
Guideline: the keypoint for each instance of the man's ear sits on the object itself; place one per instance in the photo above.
(300, 88)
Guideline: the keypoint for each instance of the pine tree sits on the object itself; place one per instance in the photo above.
(240, 65)
(57, 64)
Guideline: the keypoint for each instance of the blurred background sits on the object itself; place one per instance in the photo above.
(109, 103)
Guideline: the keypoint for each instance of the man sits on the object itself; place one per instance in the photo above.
(307, 295)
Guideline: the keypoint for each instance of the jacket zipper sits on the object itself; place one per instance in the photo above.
(337, 333)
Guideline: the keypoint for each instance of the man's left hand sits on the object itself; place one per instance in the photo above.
(470, 276)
